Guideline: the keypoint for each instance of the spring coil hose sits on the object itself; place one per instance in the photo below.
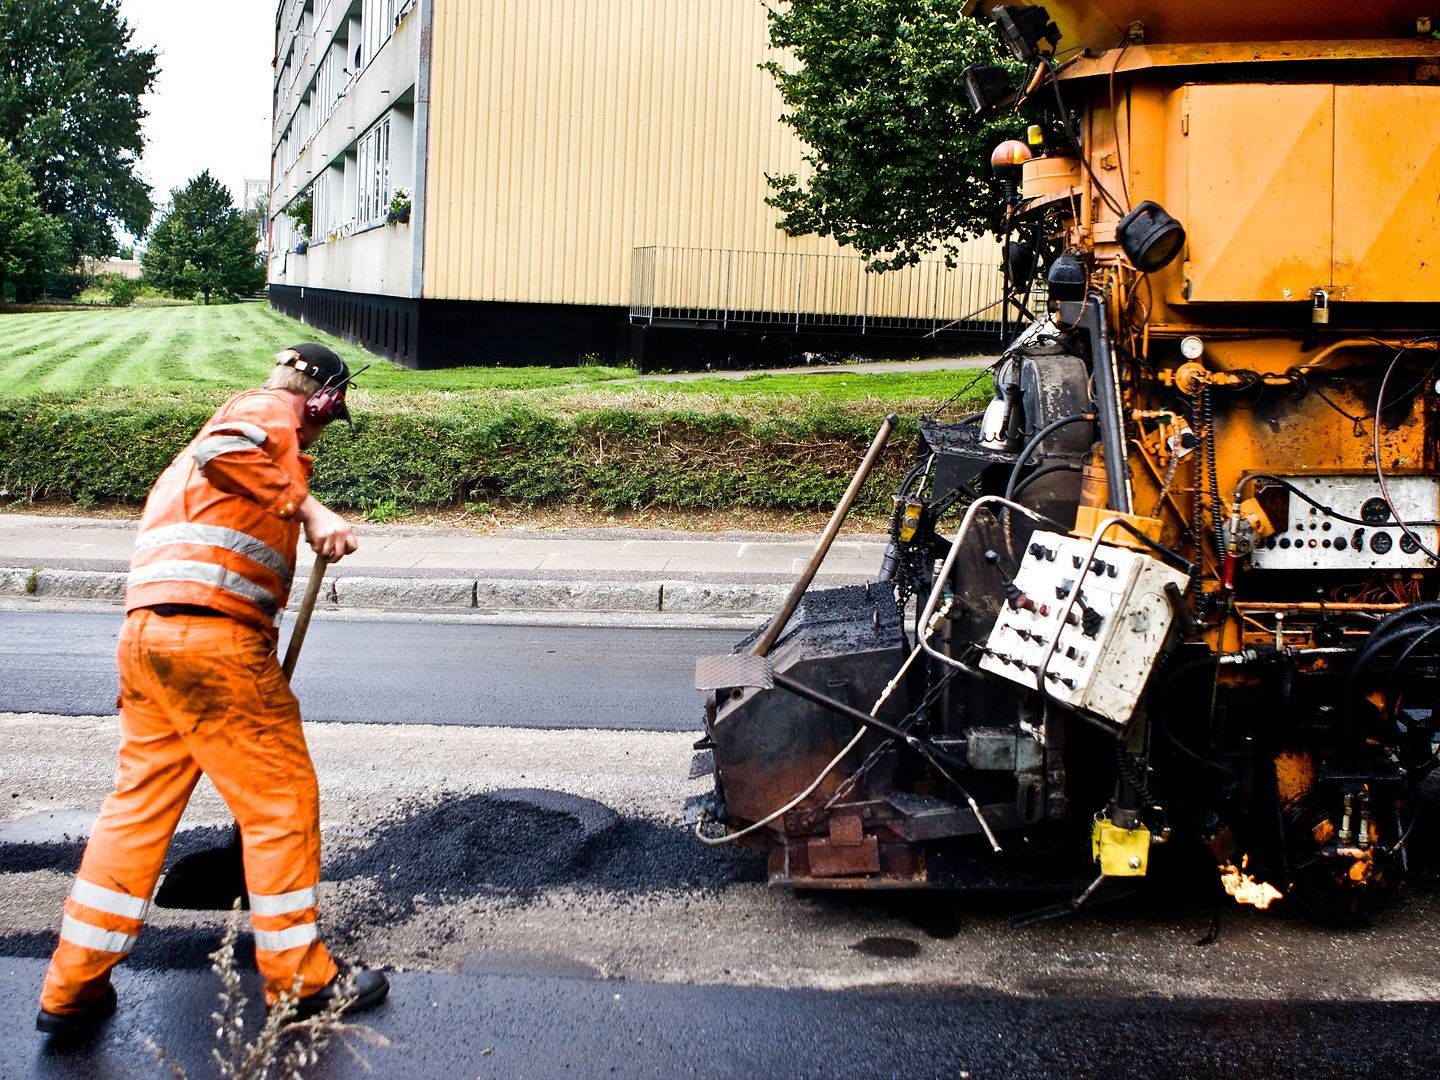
(1129, 770)
(1217, 519)
(1197, 510)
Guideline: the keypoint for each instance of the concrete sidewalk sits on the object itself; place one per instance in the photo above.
(415, 567)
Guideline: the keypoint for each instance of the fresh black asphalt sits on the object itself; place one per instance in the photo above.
(404, 672)
(538, 1024)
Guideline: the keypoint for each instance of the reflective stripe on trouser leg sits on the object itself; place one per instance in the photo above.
(290, 954)
(283, 903)
(283, 921)
(109, 900)
(107, 906)
(96, 938)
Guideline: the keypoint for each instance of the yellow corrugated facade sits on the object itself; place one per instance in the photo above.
(565, 135)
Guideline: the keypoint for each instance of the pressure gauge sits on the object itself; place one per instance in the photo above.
(1192, 348)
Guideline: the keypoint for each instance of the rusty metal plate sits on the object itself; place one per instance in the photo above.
(733, 669)
(828, 859)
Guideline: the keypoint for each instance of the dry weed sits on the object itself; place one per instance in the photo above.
(284, 1048)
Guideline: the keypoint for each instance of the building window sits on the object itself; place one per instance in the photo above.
(330, 83)
(374, 164)
(322, 208)
(381, 18)
(379, 23)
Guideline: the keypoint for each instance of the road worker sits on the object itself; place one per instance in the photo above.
(201, 690)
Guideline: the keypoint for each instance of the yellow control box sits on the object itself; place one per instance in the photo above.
(1120, 852)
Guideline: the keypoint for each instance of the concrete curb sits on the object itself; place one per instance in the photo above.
(450, 594)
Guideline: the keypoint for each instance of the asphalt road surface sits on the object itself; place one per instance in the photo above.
(544, 912)
(488, 1026)
(403, 672)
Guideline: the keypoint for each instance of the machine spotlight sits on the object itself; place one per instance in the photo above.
(1150, 237)
(986, 86)
(1023, 27)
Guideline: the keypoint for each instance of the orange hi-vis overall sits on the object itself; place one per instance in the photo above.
(202, 691)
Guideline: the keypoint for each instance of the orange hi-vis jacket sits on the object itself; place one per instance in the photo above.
(219, 528)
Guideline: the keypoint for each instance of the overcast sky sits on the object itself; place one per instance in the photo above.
(210, 108)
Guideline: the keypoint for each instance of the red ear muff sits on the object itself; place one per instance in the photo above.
(326, 404)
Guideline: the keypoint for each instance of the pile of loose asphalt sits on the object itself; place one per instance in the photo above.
(511, 846)
(517, 843)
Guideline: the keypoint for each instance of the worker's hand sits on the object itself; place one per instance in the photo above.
(329, 534)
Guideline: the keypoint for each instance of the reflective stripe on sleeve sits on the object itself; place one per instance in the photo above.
(282, 903)
(280, 940)
(109, 900)
(241, 543)
(204, 573)
(252, 432)
(207, 450)
(93, 937)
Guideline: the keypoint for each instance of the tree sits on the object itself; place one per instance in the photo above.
(203, 244)
(897, 164)
(70, 88)
(32, 242)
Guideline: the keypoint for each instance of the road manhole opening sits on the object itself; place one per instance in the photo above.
(888, 948)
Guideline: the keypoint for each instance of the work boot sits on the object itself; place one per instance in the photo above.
(86, 1018)
(370, 988)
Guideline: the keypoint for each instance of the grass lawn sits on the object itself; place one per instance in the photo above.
(170, 350)
(75, 386)
(823, 384)
(225, 346)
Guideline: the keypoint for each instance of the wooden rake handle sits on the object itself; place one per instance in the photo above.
(302, 617)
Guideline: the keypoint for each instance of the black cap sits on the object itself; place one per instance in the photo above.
(315, 360)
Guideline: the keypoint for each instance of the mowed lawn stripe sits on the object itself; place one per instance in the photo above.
(227, 346)
(25, 336)
(23, 330)
(174, 355)
(30, 372)
(95, 365)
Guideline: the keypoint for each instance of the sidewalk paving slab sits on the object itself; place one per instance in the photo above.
(417, 567)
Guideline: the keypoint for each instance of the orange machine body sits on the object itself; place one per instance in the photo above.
(1306, 173)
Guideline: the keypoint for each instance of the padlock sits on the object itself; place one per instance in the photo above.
(1320, 307)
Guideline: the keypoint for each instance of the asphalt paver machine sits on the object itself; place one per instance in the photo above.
(1177, 585)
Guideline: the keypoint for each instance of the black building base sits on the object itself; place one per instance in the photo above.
(454, 333)
(689, 348)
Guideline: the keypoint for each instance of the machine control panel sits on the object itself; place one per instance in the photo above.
(1313, 539)
(1111, 638)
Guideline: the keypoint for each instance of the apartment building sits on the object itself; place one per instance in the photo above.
(511, 181)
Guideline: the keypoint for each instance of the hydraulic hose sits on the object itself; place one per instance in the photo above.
(1381, 635)
(1107, 401)
(1024, 456)
(1388, 630)
(1035, 440)
(1041, 473)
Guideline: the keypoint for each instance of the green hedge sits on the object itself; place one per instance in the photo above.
(792, 457)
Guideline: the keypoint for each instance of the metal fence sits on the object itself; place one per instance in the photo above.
(779, 290)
